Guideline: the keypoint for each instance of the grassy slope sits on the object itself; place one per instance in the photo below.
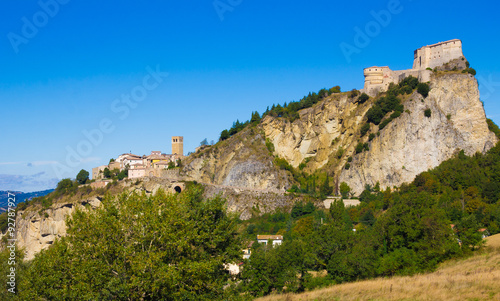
(474, 278)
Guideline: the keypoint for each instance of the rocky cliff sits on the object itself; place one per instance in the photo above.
(328, 133)
(241, 161)
(323, 138)
(414, 143)
(37, 230)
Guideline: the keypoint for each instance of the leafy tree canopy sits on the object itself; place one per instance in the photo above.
(163, 247)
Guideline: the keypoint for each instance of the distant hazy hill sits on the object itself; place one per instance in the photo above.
(20, 197)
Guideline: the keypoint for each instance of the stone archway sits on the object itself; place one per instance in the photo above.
(177, 187)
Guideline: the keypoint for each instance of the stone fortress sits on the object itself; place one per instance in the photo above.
(378, 79)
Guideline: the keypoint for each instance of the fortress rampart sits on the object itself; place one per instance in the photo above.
(378, 79)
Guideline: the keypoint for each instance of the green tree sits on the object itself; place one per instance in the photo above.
(364, 129)
(204, 142)
(359, 147)
(423, 89)
(326, 189)
(335, 89)
(255, 117)
(9, 290)
(82, 176)
(66, 186)
(297, 210)
(107, 173)
(224, 135)
(467, 231)
(363, 97)
(345, 190)
(122, 174)
(163, 247)
(416, 234)
(280, 268)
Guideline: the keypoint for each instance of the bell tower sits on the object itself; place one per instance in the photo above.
(177, 145)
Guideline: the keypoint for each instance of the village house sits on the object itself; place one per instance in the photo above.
(142, 166)
(275, 239)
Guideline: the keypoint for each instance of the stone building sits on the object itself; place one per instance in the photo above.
(378, 79)
(177, 145)
(436, 55)
(153, 165)
(97, 172)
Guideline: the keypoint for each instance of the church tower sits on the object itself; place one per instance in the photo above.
(177, 145)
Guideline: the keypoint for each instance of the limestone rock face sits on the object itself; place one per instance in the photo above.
(414, 143)
(35, 232)
(241, 161)
(251, 202)
(328, 133)
(313, 134)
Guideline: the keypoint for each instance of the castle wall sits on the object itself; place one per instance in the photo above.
(378, 79)
(436, 55)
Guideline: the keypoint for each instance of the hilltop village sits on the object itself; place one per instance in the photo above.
(153, 165)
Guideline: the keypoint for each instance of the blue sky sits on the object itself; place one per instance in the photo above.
(65, 66)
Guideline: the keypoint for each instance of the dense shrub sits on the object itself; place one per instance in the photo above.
(410, 82)
(383, 106)
(340, 153)
(384, 123)
(269, 146)
(423, 89)
(427, 113)
(364, 129)
(283, 164)
(363, 97)
(359, 148)
(353, 93)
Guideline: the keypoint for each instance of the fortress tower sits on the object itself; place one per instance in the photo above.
(378, 79)
(177, 145)
(436, 55)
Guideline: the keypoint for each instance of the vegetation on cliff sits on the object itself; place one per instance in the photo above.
(162, 247)
(409, 230)
(289, 111)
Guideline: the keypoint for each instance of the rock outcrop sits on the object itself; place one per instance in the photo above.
(37, 230)
(414, 143)
(241, 161)
(328, 133)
